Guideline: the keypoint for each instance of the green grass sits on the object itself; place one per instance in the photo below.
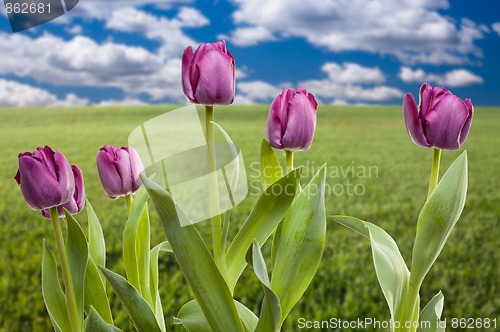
(345, 287)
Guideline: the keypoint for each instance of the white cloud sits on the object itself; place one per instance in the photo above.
(496, 27)
(413, 31)
(256, 91)
(167, 31)
(81, 61)
(247, 36)
(13, 94)
(452, 78)
(102, 10)
(352, 73)
(345, 83)
(123, 102)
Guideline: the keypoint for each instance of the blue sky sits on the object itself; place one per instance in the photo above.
(343, 51)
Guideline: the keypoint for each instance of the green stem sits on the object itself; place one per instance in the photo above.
(214, 193)
(436, 157)
(68, 281)
(289, 160)
(129, 199)
(410, 303)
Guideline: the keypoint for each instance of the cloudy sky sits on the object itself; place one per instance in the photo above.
(344, 51)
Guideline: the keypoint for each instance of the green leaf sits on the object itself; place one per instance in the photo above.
(193, 320)
(431, 314)
(392, 272)
(298, 243)
(270, 313)
(97, 246)
(204, 278)
(95, 323)
(95, 293)
(165, 247)
(270, 168)
(138, 309)
(136, 249)
(53, 296)
(78, 255)
(438, 217)
(261, 223)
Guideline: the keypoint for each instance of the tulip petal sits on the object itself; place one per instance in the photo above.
(430, 96)
(64, 176)
(136, 167)
(273, 129)
(110, 178)
(465, 129)
(413, 122)
(40, 188)
(187, 60)
(216, 78)
(301, 123)
(444, 123)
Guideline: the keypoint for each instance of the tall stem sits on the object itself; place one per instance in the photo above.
(68, 281)
(214, 193)
(129, 199)
(289, 160)
(436, 158)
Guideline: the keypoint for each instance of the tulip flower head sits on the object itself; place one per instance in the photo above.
(442, 120)
(119, 170)
(292, 120)
(208, 75)
(77, 202)
(45, 178)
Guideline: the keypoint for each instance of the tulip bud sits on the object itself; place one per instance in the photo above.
(119, 170)
(208, 75)
(292, 120)
(76, 203)
(45, 178)
(442, 120)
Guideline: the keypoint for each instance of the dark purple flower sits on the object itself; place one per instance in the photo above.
(45, 178)
(292, 120)
(76, 203)
(442, 120)
(119, 170)
(208, 75)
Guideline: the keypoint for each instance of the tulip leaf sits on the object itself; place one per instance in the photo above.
(136, 242)
(95, 293)
(438, 217)
(95, 323)
(138, 309)
(261, 223)
(165, 247)
(298, 243)
(78, 255)
(430, 317)
(270, 168)
(209, 287)
(97, 246)
(53, 296)
(270, 313)
(193, 320)
(392, 272)
(431, 314)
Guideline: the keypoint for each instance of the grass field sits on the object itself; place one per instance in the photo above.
(345, 287)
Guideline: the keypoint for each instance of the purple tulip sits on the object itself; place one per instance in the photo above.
(442, 120)
(77, 201)
(119, 170)
(45, 178)
(208, 75)
(292, 120)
